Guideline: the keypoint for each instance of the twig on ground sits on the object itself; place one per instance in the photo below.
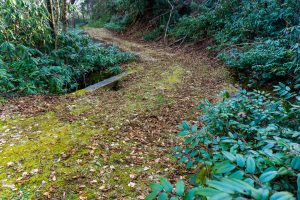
(170, 16)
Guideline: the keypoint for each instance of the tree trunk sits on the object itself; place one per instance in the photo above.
(65, 15)
(57, 13)
(74, 14)
(74, 20)
(51, 17)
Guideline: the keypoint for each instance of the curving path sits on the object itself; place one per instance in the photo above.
(106, 144)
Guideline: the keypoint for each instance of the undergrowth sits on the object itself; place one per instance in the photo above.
(31, 63)
(260, 39)
(243, 147)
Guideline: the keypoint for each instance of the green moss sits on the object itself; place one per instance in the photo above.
(86, 142)
(136, 68)
(171, 77)
(80, 108)
(43, 141)
(80, 92)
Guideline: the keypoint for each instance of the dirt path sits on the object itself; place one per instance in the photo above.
(106, 144)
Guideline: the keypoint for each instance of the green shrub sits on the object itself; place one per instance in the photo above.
(28, 71)
(116, 15)
(268, 61)
(24, 22)
(192, 28)
(247, 147)
(259, 38)
(30, 63)
(244, 32)
(151, 35)
(97, 23)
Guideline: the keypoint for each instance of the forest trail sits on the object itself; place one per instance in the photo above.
(106, 144)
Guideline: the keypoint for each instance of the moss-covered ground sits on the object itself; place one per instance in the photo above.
(107, 144)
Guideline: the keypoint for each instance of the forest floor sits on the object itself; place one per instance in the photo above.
(106, 144)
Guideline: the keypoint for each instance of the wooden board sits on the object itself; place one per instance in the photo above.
(106, 82)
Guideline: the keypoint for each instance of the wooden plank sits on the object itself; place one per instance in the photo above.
(106, 82)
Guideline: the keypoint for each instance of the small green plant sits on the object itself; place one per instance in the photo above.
(30, 63)
(151, 35)
(247, 147)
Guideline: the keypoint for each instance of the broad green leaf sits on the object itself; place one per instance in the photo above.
(151, 196)
(190, 195)
(208, 192)
(188, 140)
(283, 171)
(174, 198)
(249, 181)
(296, 162)
(268, 176)
(183, 159)
(245, 185)
(261, 194)
(221, 196)
(238, 174)
(194, 128)
(195, 143)
(222, 186)
(224, 168)
(189, 164)
(282, 196)
(185, 125)
(194, 153)
(235, 185)
(156, 187)
(183, 133)
(166, 185)
(163, 196)
(179, 189)
(240, 161)
(229, 155)
(250, 165)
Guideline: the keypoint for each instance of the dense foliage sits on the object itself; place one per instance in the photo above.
(27, 70)
(257, 38)
(247, 146)
(29, 61)
(24, 22)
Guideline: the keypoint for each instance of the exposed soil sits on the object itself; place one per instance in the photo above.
(106, 144)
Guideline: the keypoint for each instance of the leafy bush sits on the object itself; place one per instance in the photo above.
(29, 61)
(151, 35)
(24, 22)
(28, 71)
(244, 32)
(118, 14)
(118, 23)
(259, 38)
(191, 27)
(266, 62)
(248, 147)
